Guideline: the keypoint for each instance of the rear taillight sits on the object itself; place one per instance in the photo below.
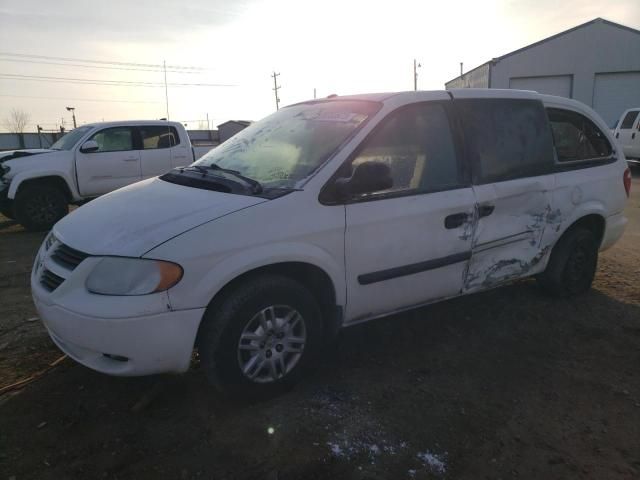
(626, 179)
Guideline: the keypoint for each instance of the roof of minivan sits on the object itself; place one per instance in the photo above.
(455, 93)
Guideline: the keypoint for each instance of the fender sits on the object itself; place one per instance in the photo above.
(30, 175)
(591, 207)
(241, 262)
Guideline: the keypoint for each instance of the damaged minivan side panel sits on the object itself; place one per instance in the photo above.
(509, 147)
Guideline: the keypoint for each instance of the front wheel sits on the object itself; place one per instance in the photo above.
(262, 337)
(7, 211)
(39, 207)
(572, 265)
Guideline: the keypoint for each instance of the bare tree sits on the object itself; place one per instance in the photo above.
(16, 121)
(203, 125)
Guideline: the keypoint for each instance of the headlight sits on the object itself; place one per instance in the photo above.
(132, 276)
(4, 169)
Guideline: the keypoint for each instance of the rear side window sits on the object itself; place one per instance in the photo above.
(114, 139)
(575, 137)
(629, 120)
(417, 144)
(506, 139)
(158, 136)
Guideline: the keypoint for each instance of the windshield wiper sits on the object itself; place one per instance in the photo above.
(256, 187)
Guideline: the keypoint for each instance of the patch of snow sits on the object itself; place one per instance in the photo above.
(434, 462)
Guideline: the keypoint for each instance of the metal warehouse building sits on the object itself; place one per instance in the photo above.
(597, 63)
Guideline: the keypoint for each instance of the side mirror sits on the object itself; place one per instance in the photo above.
(368, 177)
(89, 146)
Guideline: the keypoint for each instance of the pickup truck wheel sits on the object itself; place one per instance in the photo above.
(572, 265)
(262, 338)
(39, 207)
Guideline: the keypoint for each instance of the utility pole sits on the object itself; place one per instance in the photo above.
(208, 127)
(166, 90)
(73, 113)
(276, 87)
(416, 65)
(314, 93)
(461, 69)
(39, 135)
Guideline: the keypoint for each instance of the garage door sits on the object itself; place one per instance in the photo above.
(557, 85)
(613, 93)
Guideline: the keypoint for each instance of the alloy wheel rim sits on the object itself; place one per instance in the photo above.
(271, 343)
(42, 208)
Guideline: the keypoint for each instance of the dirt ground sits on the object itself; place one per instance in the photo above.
(504, 384)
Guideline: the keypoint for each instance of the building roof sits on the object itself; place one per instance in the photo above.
(552, 37)
(244, 123)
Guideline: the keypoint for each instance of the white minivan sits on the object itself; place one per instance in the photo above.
(325, 214)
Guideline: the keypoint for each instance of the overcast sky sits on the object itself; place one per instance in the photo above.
(335, 46)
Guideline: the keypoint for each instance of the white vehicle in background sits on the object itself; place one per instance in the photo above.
(627, 134)
(37, 185)
(326, 214)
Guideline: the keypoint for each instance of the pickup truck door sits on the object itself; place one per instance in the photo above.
(162, 150)
(410, 243)
(628, 135)
(115, 164)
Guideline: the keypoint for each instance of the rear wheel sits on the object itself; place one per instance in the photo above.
(262, 337)
(39, 207)
(572, 265)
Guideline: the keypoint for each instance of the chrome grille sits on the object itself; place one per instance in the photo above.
(68, 257)
(50, 280)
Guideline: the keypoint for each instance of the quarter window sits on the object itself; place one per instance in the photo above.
(416, 144)
(158, 136)
(629, 120)
(575, 137)
(506, 139)
(114, 139)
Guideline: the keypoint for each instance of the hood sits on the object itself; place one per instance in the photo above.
(27, 152)
(136, 218)
(23, 160)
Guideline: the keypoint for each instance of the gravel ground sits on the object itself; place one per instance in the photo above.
(503, 384)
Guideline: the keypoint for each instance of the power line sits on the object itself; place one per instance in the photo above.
(40, 62)
(80, 99)
(90, 81)
(102, 62)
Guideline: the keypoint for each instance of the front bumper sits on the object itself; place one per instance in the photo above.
(135, 335)
(144, 345)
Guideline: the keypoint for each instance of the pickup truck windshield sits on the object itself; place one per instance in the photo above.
(70, 139)
(286, 147)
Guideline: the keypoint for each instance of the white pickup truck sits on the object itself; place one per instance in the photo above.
(627, 133)
(38, 185)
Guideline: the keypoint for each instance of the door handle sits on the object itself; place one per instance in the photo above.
(455, 220)
(485, 210)
(135, 159)
(617, 134)
(633, 135)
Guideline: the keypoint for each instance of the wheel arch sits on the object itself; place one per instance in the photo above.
(594, 222)
(314, 278)
(55, 179)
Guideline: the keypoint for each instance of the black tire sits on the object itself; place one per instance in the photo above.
(39, 207)
(572, 265)
(7, 211)
(226, 320)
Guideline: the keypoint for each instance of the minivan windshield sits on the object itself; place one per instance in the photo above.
(70, 139)
(286, 147)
